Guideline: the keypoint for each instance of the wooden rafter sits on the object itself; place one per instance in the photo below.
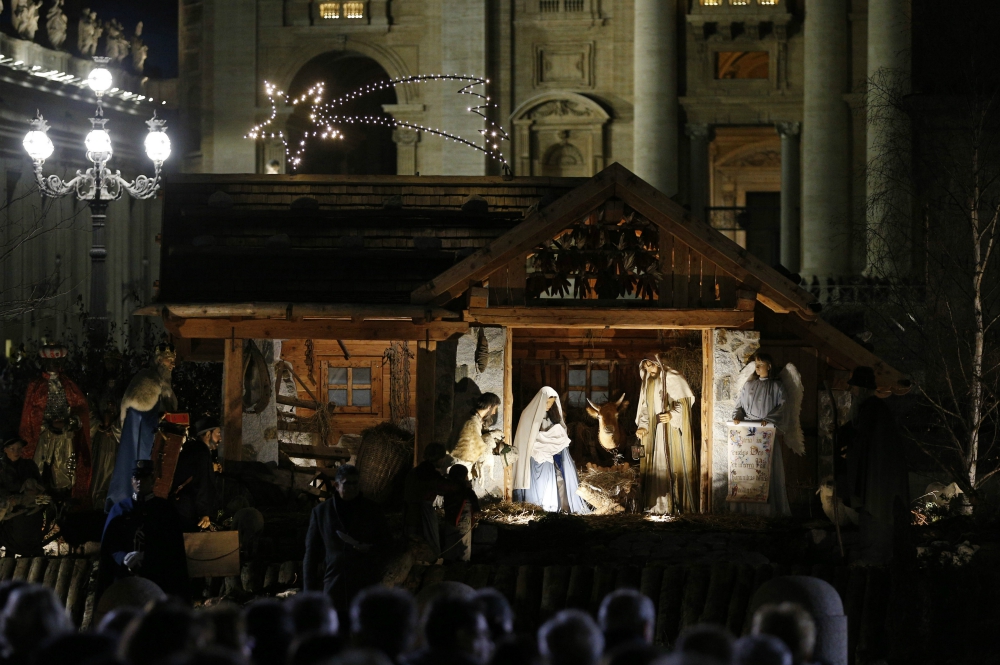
(578, 317)
(314, 329)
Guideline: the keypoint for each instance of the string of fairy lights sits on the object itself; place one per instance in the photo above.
(327, 122)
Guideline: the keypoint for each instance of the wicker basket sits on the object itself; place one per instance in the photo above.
(386, 452)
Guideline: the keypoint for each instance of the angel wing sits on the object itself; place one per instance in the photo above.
(790, 423)
(742, 378)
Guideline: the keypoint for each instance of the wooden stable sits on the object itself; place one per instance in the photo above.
(355, 263)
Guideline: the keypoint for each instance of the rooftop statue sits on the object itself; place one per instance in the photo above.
(24, 16)
(89, 32)
(139, 49)
(56, 24)
(116, 47)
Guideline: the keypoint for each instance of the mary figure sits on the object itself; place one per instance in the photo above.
(545, 474)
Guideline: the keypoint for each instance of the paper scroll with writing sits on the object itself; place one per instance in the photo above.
(750, 446)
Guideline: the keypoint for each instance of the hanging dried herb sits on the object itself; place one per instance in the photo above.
(604, 255)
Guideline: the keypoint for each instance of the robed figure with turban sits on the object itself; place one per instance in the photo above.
(544, 473)
(55, 426)
(668, 472)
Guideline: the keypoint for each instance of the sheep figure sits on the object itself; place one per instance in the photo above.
(835, 510)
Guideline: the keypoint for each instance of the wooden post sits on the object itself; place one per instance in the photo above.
(232, 402)
(508, 407)
(707, 416)
(426, 396)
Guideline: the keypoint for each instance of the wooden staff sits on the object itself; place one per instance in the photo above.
(666, 441)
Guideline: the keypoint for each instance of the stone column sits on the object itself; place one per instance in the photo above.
(700, 136)
(655, 124)
(887, 137)
(406, 139)
(825, 141)
(791, 195)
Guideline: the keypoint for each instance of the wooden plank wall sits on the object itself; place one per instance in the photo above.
(294, 351)
(691, 280)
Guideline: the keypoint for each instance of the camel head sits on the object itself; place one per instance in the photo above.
(608, 431)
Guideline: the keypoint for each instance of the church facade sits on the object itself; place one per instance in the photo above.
(749, 112)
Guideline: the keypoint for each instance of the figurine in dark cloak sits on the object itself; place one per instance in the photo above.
(193, 491)
(143, 537)
(345, 533)
(872, 477)
(148, 396)
(55, 426)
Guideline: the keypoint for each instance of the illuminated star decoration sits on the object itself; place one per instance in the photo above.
(325, 119)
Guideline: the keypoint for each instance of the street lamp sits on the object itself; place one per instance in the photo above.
(98, 185)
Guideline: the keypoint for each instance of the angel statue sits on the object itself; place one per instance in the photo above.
(56, 23)
(24, 16)
(544, 472)
(771, 400)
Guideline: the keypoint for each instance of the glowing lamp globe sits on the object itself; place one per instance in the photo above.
(38, 145)
(99, 80)
(157, 146)
(98, 144)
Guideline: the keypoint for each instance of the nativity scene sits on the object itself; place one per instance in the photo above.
(515, 347)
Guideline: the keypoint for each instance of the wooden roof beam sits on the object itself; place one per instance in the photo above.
(610, 318)
(315, 329)
(291, 311)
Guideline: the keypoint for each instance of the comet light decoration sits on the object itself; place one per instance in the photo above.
(327, 121)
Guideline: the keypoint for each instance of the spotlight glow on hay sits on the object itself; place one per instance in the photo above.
(326, 120)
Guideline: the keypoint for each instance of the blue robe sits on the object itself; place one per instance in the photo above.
(544, 490)
(138, 433)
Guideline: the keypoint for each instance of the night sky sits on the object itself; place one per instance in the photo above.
(159, 19)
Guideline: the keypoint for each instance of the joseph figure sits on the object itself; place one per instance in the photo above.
(668, 473)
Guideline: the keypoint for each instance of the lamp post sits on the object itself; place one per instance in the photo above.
(98, 185)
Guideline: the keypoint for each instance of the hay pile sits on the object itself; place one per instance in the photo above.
(605, 488)
(509, 512)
